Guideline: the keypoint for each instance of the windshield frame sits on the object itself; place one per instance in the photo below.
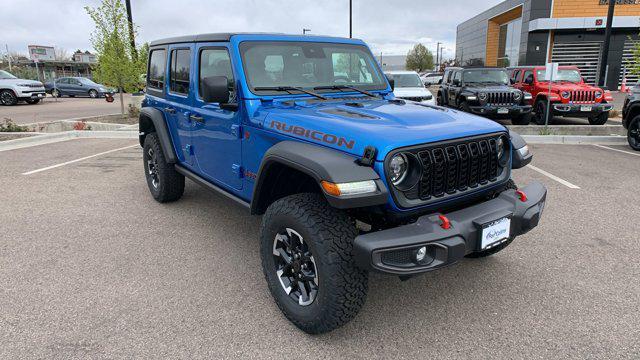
(11, 76)
(540, 72)
(244, 45)
(397, 84)
(505, 72)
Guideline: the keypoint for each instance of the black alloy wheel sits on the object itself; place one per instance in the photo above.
(295, 267)
(633, 134)
(152, 167)
(7, 97)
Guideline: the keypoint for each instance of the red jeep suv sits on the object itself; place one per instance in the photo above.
(570, 95)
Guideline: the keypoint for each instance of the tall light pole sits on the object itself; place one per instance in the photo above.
(438, 55)
(132, 39)
(605, 48)
(350, 19)
(304, 31)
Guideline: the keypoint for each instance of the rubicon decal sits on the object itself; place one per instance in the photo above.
(313, 134)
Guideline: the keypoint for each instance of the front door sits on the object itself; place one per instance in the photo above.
(217, 134)
(454, 87)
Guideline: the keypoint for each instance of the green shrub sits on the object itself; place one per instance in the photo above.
(9, 126)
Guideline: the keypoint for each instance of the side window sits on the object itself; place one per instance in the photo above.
(179, 73)
(63, 81)
(157, 67)
(449, 77)
(514, 76)
(457, 75)
(75, 82)
(215, 62)
(528, 77)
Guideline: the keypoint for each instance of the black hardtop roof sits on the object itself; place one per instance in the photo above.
(220, 37)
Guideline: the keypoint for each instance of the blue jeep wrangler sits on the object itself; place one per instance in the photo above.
(305, 131)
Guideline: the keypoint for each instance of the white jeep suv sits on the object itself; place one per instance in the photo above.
(13, 90)
(409, 86)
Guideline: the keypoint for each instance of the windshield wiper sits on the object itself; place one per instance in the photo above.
(288, 89)
(345, 87)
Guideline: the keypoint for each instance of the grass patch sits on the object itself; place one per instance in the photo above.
(9, 126)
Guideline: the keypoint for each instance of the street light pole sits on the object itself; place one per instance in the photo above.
(607, 42)
(132, 39)
(350, 19)
(304, 31)
(438, 55)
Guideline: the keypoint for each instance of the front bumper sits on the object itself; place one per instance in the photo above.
(501, 111)
(30, 93)
(391, 251)
(580, 110)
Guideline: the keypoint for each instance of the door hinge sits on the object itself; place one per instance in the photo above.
(237, 169)
(188, 149)
(236, 130)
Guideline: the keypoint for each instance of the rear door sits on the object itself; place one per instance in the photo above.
(75, 87)
(453, 88)
(179, 97)
(216, 131)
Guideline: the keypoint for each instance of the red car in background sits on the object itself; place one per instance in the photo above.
(570, 95)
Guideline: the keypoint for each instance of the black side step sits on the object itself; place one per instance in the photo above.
(209, 186)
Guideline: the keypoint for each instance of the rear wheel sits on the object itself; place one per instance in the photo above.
(165, 183)
(523, 119)
(7, 97)
(306, 249)
(440, 99)
(600, 119)
(540, 115)
(633, 133)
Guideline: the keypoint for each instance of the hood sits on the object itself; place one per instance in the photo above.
(411, 92)
(20, 81)
(490, 88)
(570, 87)
(380, 123)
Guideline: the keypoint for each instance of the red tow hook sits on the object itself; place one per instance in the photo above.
(521, 195)
(446, 224)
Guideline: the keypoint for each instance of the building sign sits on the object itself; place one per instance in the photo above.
(621, 2)
(40, 53)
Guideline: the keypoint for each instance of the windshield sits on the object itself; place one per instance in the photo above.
(571, 75)
(6, 75)
(87, 81)
(498, 76)
(406, 80)
(308, 65)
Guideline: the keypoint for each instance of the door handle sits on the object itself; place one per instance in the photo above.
(170, 110)
(197, 118)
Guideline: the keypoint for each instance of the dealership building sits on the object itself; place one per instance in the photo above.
(570, 32)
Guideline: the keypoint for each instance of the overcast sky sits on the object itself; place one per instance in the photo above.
(392, 27)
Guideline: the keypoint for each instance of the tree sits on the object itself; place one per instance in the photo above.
(110, 39)
(61, 54)
(419, 59)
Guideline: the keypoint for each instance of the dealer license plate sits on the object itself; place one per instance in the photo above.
(495, 232)
(585, 108)
(503, 111)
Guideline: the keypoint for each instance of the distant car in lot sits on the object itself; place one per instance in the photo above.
(77, 86)
(409, 86)
(429, 79)
(631, 117)
(13, 90)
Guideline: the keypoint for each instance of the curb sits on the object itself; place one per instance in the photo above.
(575, 139)
(63, 136)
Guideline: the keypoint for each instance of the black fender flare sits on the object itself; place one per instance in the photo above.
(632, 112)
(320, 163)
(150, 120)
(520, 159)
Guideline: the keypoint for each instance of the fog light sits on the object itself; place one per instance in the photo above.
(421, 254)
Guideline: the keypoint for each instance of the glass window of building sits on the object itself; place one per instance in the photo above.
(509, 43)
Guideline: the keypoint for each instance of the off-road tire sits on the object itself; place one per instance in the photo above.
(540, 114)
(440, 99)
(32, 101)
(329, 234)
(93, 94)
(523, 119)
(465, 107)
(480, 254)
(8, 98)
(601, 119)
(633, 133)
(170, 183)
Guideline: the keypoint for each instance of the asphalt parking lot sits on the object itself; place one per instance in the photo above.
(51, 109)
(92, 267)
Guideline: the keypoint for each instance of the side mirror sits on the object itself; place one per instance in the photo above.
(440, 82)
(512, 81)
(392, 83)
(215, 89)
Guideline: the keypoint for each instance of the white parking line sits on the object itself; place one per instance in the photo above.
(618, 150)
(553, 177)
(76, 160)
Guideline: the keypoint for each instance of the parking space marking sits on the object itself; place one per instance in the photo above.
(77, 160)
(618, 150)
(555, 178)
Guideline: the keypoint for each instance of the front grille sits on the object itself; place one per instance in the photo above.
(417, 98)
(501, 98)
(583, 96)
(452, 167)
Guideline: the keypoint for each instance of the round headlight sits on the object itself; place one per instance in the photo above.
(482, 96)
(398, 168)
(598, 94)
(565, 94)
(517, 96)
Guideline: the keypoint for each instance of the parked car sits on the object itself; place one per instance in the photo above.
(77, 86)
(570, 95)
(429, 79)
(348, 179)
(486, 92)
(408, 86)
(631, 117)
(13, 90)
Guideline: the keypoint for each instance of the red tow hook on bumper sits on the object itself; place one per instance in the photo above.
(446, 224)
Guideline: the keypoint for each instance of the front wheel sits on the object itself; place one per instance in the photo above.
(465, 107)
(633, 133)
(601, 119)
(306, 249)
(93, 94)
(540, 116)
(7, 97)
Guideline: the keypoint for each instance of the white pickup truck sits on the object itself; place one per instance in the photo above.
(13, 90)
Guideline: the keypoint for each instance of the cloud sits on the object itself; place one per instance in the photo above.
(390, 27)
